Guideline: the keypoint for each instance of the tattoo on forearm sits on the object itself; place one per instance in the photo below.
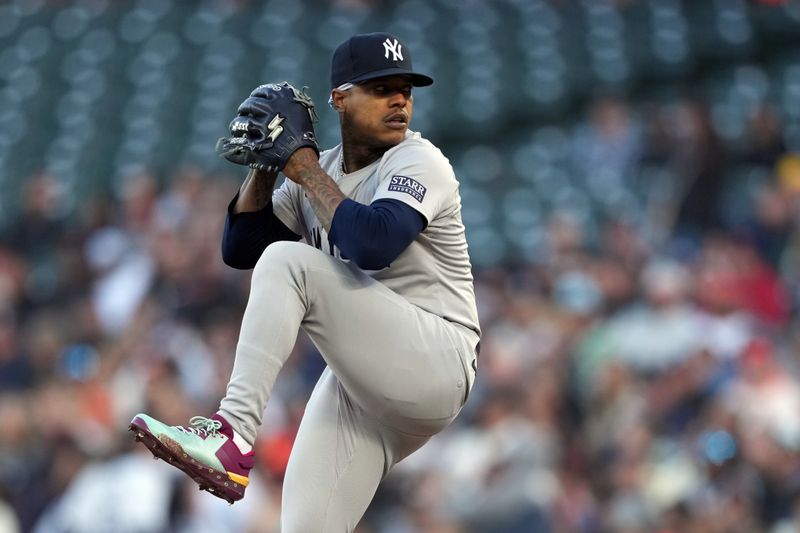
(323, 194)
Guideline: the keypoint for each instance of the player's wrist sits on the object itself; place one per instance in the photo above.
(301, 162)
(264, 174)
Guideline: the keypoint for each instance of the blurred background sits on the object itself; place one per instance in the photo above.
(630, 177)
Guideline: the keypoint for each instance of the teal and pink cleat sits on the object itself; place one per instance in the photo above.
(205, 451)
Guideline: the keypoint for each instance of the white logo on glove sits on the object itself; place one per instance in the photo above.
(275, 128)
(395, 48)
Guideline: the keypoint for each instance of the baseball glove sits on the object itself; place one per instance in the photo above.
(274, 121)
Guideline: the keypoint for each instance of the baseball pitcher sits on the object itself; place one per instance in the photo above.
(362, 247)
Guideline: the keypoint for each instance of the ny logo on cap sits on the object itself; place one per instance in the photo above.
(395, 48)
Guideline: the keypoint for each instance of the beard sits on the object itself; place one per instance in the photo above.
(361, 147)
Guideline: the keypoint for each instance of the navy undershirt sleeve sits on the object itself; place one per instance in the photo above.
(374, 235)
(247, 234)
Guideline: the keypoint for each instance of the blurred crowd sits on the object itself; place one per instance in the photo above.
(639, 375)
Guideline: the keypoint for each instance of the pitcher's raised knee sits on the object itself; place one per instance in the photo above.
(288, 255)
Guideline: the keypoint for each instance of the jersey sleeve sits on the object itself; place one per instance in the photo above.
(418, 175)
(374, 235)
(247, 234)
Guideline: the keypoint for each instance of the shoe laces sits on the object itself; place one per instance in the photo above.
(202, 426)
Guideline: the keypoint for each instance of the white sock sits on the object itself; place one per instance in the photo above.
(240, 443)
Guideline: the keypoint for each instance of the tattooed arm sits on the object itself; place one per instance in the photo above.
(320, 189)
(250, 224)
(371, 235)
(256, 191)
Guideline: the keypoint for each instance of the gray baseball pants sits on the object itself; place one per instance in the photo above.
(396, 376)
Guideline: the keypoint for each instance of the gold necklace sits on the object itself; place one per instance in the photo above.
(340, 169)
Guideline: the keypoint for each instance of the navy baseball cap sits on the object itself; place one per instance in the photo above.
(373, 55)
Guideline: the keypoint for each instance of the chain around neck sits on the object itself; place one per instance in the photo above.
(340, 166)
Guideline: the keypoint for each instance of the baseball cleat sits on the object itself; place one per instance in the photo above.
(205, 451)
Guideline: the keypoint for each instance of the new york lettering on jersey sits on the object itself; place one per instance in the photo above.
(319, 240)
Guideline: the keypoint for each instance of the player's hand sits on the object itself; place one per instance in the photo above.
(270, 125)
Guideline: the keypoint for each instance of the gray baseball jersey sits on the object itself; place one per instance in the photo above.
(434, 271)
(399, 342)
